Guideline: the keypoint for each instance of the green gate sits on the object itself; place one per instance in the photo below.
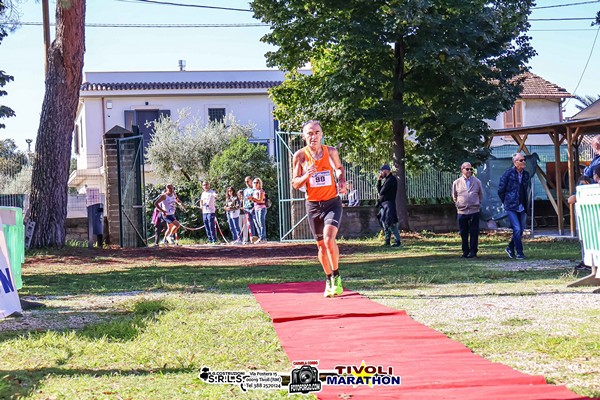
(130, 167)
(293, 225)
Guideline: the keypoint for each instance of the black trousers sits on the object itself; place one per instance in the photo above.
(468, 226)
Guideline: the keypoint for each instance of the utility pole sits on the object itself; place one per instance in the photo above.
(46, 27)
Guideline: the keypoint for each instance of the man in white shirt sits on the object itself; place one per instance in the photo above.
(207, 201)
(249, 230)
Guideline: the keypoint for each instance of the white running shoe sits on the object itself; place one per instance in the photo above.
(329, 288)
(170, 239)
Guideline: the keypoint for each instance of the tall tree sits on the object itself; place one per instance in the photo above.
(49, 184)
(439, 67)
(7, 14)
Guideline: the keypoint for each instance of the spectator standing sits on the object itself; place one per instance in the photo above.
(260, 210)
(243, 220)
(583, 180)
(387, 187)
(467, 194)
(232, 208)
(353, 196)
(589, 171)
(167, 204)
(513, 191)
(250, 230)
(207, 200)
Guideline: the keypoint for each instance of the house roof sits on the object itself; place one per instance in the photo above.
(536, 87)
(591, 111)
(184, 81)
(90, 87)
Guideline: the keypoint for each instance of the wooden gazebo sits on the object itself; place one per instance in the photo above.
(570, 133)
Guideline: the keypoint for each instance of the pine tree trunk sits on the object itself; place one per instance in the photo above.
(398, 127)
(53, 144)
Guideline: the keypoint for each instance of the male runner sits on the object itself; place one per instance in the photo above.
(315, 167)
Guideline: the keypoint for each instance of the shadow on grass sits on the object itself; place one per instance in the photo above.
(126, 327)
(387, 272)
(22, 383)
(115, 326)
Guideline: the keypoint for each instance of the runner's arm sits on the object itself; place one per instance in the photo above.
(340, 172)
(157, 203)
(299, 176)
(180, 203)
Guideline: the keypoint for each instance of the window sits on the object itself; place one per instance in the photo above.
(216, 114)
(140, 119)
(513, 118)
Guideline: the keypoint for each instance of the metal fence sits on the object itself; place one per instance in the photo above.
(427, 186)
(15, 187)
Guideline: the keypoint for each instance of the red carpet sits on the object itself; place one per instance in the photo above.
(351, 328)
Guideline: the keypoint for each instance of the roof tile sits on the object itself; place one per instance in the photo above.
(535, 86)
(92, 87)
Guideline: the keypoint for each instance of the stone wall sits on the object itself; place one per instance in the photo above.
(77, 229)
(362, 221)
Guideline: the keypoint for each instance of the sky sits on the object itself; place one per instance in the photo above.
(564, 47)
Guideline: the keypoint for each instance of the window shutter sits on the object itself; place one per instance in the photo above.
(509, 121)
(518, 117)
(129, 120)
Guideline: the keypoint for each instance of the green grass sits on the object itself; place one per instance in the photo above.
(117, 328)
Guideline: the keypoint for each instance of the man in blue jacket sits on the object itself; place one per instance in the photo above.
(513, 190)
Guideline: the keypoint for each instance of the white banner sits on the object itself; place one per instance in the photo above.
(9, 299)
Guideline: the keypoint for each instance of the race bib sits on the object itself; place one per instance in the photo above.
(320, 179)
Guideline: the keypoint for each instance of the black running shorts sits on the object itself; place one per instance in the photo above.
(321, 213)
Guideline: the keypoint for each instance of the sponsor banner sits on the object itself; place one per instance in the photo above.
(9, 299)
(305, 377)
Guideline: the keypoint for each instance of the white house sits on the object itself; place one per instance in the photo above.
(591, 111)
(540, 103)
(126, 99)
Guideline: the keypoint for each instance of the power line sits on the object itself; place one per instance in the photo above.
(253, 25)
(560, 30)
(102, 25)
(168, 3)
(562, 19)
(567, 5)
(586, 65)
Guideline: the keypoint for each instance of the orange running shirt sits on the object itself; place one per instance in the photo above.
(321, 186)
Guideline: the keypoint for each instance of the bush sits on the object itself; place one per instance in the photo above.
(227, 168)
(241, 159)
